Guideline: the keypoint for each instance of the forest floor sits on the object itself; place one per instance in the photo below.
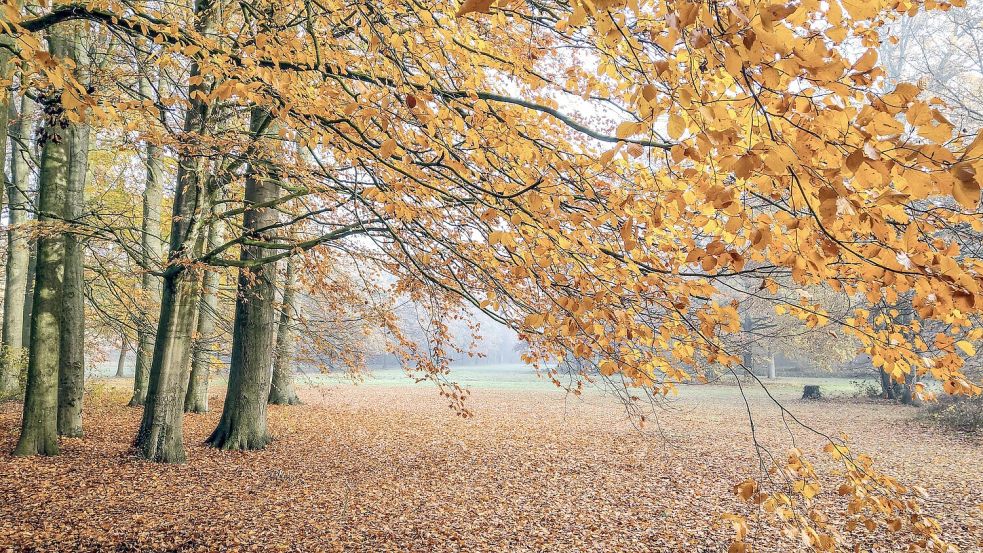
(391, 468)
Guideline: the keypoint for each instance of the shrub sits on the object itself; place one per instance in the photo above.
(865, 389)
(964, 414)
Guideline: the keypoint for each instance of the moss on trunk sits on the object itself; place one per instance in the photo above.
(243, 423)
(39, 434)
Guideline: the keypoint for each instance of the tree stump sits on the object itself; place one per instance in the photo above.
(811, 392)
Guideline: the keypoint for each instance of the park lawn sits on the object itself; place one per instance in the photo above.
(387, 466)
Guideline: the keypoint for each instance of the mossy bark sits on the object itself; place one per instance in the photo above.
(39, 433)
(243, 423)
(160, 437)
(14, 354)
(282, 391)
(71, 373)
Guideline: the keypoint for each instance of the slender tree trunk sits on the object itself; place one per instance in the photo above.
(243, 423)
(152, 249)
(196, 400)
(282, 390)
(32, 266)
(6, 103)
(18, 254)
(909, 397)
(772, 372)
(71, 374)
(124, 347)
(160, 437)
(39, 424)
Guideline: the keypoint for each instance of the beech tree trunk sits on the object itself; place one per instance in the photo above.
(18, 254)
(32, 266)
(160, 437)
(7, 48)
(152, 250)
(124, 347)
(71, 373)
(196, 400)
(282, 390)
(772, 372)
(243, 423)
(39, 435)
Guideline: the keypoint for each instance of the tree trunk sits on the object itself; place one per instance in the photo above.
(196, 400)
(39, 434)
(772, 372)
(243, 423)
(124, 347)
(32, 266)
(909, 397)
(160, 437)
(18, 254)
(7, 48)
(282, 390)
(887, 387)
(152, 250)
(71, 374)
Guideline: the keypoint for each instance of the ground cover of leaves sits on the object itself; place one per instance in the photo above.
(390, 468)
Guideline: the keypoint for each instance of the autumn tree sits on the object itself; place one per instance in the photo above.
(39, 425)
(590, 174)
(12, 351)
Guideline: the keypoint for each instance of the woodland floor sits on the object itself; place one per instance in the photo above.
(391, 468)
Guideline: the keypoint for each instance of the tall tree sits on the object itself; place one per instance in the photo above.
(39, 433)
(152, 251)
(18, 249)
(160, 436)
(282, 391)
(71, 372)
(243, 422)
(196, 400)
(124, 348)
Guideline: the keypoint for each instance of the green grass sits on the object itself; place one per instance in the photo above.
(518, 377)
(505, 377)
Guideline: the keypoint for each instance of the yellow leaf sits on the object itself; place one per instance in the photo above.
(649, 92)
(866, 61)
(387, 148)
(967, 347)
(482, 6)
(966, 189)
(676, 126)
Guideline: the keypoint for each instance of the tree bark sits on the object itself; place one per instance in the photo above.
(32, 266)
(887, 386)
(18, 253)
(39, 434)
(160, 437)
(152, 250)
(71, 373)
(772, 372)
(124, 347)
(243, 423)
(282, 390)
(196, 400)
